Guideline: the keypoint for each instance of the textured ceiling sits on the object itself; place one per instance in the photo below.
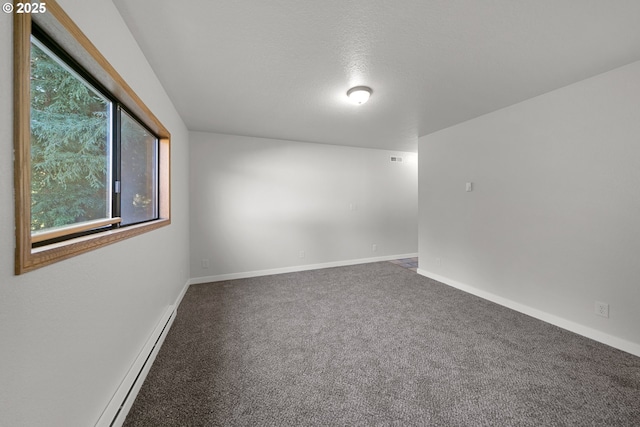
(281, 68)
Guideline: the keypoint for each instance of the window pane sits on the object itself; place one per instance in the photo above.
(70, 145)
(139, 160)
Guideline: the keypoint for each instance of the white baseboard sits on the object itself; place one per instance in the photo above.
(577, 328)
(184, 290)
(121, 402)
(293, 269)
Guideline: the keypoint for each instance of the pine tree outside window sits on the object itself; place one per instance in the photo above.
(71, 144)
(93, 165)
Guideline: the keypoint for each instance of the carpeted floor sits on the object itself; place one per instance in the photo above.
(375, 345)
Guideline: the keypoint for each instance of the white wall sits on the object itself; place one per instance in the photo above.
(256, 203)
(552, 222)
(70, 331)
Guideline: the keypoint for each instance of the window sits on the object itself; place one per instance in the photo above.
(90, 168)
(71, 146)
(93, 165)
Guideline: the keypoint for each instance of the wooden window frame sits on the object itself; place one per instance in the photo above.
(66, 33)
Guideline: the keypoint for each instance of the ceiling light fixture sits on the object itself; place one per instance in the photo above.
(359, 94)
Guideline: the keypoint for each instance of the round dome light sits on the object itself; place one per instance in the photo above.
(359, 94)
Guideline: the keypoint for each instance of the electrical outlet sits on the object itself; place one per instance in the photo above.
(374, 247)
(205, 263)
(301, 254)
(438, 262)
(602, 309)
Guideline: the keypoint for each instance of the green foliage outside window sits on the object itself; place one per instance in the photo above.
(69, 146)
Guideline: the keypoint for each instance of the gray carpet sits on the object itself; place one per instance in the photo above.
(375, 345)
